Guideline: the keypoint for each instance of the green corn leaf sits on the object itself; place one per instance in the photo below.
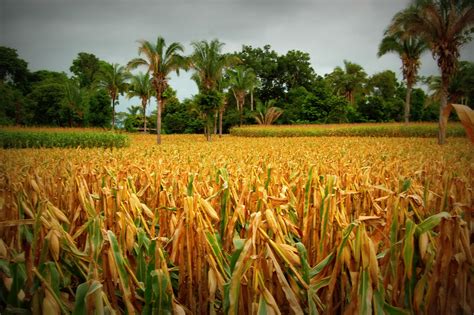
(431, 222)
(317, 269)
(392, 310)
(304, 261)
(409, 247)
(80, 306)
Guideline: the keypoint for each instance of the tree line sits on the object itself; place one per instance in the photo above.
(253, 85)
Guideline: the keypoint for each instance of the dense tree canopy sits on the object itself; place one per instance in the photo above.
(283, 86)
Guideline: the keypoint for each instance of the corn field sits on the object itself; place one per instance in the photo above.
(239, 226)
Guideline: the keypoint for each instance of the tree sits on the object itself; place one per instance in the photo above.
(241, 82)
(73, 102)
(209, 64)
(86, 67)
(264, 63)
(13, 69)
(223, 85)
(47, 98)
(348, 81)
(160, 61)
(99, 110)
(409, 49)
(445, 25)
(267, 114)
(208, 101)
(13, 105)
(141, 87)
(383, 84)
(461, 87)
(294, 70)
(113, 79)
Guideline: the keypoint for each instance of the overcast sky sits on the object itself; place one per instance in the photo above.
(49, 34)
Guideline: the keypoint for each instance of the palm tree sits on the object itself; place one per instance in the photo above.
(160, 60)
(241, 82)
(267, 114)
(348, 81)
(409, 49)
(113, 79)
(446, 26)
(222, 85)
(141, 87)
(209, 64)
(459, 87)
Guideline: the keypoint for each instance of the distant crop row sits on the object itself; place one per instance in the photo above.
(52, 139)
(348, 130)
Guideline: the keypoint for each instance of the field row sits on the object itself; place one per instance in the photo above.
(418, 130)
(56, 138)
(239, 226)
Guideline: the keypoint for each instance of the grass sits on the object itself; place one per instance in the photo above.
(421, 130)
(238, 226)
(60, 138)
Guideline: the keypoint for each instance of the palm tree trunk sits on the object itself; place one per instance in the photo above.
(159, 101)
(407, 104)
(208, 129)
(221, 113)
(113, 113)
(144, 115)
(444, 110)
(251, 100)
(215, 122)
(241, 115)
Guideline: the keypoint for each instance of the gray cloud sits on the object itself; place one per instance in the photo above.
(49, 33)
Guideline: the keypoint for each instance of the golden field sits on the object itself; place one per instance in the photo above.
(239, 226)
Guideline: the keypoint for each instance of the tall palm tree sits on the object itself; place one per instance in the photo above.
(141, 87)
(446, 26)
(113, 79)
(160, 60)
(223, 85)
(241, 82)
(209, 64)
(348, 81)
(409, 49)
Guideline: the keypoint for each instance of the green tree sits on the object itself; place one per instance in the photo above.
(445, 25)
(113, 78)
(409, 49)
(316, 105)
(267, 113)
(461, 87)
(14, 106)
(294, 70)
(264, 63)
(73, 102)
(161, 60)
(86, 67)
(179, 118)
(349, 81)
(209, 64)
(241, 81)
(47, 98)
(141, 87)
(383, 84)
(13, 69)
(99, 110)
